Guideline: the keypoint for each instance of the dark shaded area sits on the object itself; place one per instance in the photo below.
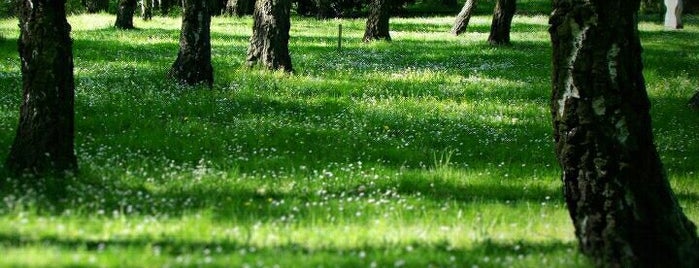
(44, 138)
(125, 13)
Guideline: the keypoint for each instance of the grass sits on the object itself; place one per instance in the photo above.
(431, 150)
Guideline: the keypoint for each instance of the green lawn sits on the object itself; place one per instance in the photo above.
(429, 151)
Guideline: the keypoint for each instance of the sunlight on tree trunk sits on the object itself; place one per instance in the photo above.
(377, 24)
(239, 7)
(44, 140)
(502, 22)
(193, 63)
(618, 196)
(464, 16)
(125, 11)
(270, 35)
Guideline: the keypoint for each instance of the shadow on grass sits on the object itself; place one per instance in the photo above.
(487, 252)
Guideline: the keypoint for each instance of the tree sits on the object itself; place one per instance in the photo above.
(502, 22)
(377, 23)
(44, 140)
(623, 209)
(270, 35)
(193, 63)
(95, 6)
(240, 7)
(694, 101)
(464, 16)
(125, 11)
(146, 9)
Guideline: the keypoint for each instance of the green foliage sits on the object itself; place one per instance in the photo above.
(430, 150)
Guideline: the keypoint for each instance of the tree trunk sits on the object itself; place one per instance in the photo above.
(95, 6)
(464, 16)
(146, 9)
(44, 140)
(125, 11)
(270, 35)
(324, 9)
(164, 6)
(694, 101)
(306, 8)
(240, 7)
(618, 196)
(193, 63)
(377, 23)
(502, 22)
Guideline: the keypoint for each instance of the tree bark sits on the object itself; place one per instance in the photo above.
(146, 9)
(95, 6)
(240, 7)
(377, 24)
(270, 35)
(125, 11)
(45, 136)
(464, 16)
(624, 211)
(193, 63)
(502, 22)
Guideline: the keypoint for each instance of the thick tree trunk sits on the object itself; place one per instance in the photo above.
(270, 35)
(502, 22)
(240, 7)
(95, 6)
(619, 199)
(146, 9)
(44, 141)
(377, 23)
(464, 16)
(193, 63)
(125, 11)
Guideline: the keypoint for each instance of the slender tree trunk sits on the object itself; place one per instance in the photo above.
(44, 140)
(95, 6)
(270, 35)
(306, 8)
(125, 11)
(502, 22)
(146, 9)
(193, 63)
(464, 16)
(164, 6)
(618, 196)
(377, 23)
(694, 101)
(324, 9)
(240, 7)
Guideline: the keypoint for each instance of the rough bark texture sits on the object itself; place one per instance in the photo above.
(619, 199)
(502, 22)
(193, 63)
(146, 9)
(125, 11)
(240, 7)
(270, 35)
(464, 16)
(377, 23)
(95, 6)
(44, 141)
